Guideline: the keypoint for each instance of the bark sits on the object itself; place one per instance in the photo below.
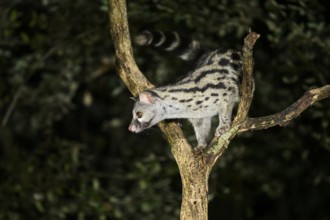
(194, 175)
(247, 79)
(195, 166)
(293, 111)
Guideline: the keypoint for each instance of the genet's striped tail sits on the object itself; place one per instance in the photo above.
(185, 47)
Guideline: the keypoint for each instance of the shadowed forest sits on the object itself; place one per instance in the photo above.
(65, 149)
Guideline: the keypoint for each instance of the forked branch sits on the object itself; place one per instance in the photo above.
(242, 123)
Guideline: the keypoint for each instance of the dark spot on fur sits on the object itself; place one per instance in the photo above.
(185, 100)
(214, 94)
(235, 56)
(207, 98)
(231, 89)
(210, 72)
(223, 71)
(199, 102)
(236, 66)
(199, 89)
(209, 60)
(223, 62)
(234, 79)
(221, 86)
(221, 78)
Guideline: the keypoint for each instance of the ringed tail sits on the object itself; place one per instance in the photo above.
(185, 47)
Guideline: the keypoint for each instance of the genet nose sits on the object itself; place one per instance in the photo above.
(132, 128)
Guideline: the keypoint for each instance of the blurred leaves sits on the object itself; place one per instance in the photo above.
(65, 152)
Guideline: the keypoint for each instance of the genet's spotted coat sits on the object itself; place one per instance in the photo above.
(211, 88)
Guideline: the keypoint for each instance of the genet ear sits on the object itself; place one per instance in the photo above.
(146, 97)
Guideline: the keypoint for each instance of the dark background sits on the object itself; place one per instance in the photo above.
(66, 153)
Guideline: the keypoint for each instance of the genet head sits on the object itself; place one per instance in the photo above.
(144, 113)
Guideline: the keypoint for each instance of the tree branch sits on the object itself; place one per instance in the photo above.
(126, 67)
(220, 144)
(247, 79)
(293, 111)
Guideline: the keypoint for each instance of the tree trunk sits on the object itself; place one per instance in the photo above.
(195, 191)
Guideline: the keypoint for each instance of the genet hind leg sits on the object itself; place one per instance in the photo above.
(202, 127)
(225, 114)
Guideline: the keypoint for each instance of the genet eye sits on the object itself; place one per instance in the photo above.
(138, 114)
